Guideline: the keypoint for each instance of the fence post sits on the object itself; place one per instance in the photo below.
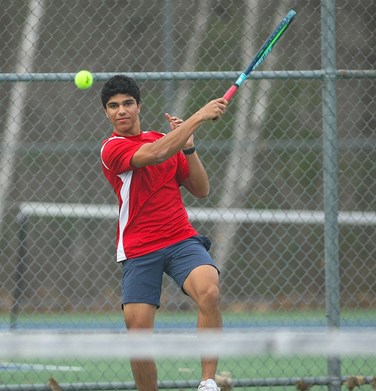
(330, 168)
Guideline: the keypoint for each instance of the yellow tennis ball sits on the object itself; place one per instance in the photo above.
(83, 80)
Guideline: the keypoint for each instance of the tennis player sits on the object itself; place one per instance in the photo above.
(154, 236)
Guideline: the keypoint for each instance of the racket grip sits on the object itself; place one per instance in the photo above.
(230, 92)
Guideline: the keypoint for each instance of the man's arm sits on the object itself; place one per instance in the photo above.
(167, 146)
(197, 183)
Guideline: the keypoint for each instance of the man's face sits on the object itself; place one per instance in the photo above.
(122, 111)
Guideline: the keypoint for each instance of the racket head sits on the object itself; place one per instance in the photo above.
(270, 42)
(262, 53)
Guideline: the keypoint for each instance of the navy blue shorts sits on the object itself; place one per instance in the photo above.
(142, 276)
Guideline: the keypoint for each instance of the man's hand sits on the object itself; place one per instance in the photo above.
(213, 110)
(174, 121)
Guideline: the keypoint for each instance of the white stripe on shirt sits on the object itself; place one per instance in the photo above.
(126, 178)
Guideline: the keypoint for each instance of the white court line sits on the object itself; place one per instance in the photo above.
(13, 366)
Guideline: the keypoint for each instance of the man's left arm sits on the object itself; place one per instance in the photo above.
(197, 182)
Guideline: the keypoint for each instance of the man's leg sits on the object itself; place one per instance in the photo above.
(202, 285)
(139, 316)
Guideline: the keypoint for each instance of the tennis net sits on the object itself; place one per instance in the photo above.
(298, 358)
(211, 343)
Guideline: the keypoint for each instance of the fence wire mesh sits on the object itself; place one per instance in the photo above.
(264, 159)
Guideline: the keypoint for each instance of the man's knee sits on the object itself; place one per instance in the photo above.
(139, 315)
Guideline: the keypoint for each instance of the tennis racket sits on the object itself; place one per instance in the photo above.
(262, 53)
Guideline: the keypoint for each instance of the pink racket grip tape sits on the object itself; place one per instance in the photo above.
(230, 92)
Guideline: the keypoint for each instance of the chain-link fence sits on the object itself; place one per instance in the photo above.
(294, 153)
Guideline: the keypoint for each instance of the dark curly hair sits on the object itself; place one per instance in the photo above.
(120, 84)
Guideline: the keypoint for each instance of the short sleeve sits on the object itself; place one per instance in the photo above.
(117, 153)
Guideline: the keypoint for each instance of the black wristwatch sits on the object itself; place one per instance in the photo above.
(189, 151)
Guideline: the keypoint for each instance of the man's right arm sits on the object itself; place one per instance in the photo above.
(167, 146)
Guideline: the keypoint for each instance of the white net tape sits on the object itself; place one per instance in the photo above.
(208, 344)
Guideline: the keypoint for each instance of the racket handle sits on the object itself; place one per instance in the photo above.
(230, 92)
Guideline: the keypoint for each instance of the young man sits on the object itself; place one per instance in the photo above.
(154, 235)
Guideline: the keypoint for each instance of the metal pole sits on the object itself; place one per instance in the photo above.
(168, 27)
(330, 167)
